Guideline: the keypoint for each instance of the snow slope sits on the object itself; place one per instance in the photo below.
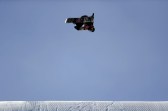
(83, 105)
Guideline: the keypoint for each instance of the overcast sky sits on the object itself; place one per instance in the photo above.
(42, 58)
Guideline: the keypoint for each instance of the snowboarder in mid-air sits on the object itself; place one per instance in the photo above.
(83, 23)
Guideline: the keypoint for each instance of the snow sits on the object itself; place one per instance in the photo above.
(83, 106)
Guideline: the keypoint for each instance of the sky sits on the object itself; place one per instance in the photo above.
(125, 59)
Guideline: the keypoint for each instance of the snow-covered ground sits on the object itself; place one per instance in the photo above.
(83, 105)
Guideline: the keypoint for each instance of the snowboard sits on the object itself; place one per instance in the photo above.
(79, 20)
(74, 20)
